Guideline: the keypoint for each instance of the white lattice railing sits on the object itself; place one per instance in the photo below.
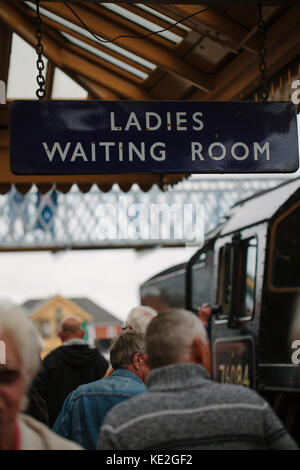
(97, 219)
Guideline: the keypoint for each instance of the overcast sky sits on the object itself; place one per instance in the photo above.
(108, 277)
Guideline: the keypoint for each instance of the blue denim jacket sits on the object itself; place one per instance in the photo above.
(84, 409)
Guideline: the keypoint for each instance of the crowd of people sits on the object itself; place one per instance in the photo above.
(156, 393)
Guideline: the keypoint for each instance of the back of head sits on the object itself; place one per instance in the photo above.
(170, 336)
(70, 327)
(139, 318)
(124, 347)
(16, 327)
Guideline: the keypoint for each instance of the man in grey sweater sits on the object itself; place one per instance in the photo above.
(183, 408)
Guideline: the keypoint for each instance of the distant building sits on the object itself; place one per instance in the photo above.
(100, 326)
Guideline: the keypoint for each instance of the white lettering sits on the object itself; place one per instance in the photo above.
(177, 221)
(295, 356)
(56, 146)
(2, 92)
(2, 352)
(244, 146)
(156, 211)
(196, 150)
(107, 146)
(161, 152)
(133, 121)
(112, 123)
(105, 228)
(120, 151)
(93, 148)
(196, 232)
(181, 119)
(158, 121)
(295, 96)
(79, 152)
(138, 227)
(199, 121)
(140, 153)
(212, 155)
(169, 124)
(257, 147)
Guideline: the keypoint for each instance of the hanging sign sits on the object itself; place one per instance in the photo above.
(114, 137)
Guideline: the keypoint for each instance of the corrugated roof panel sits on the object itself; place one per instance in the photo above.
(80, 30)
(161, 16)
(142, 22)
(103, 55)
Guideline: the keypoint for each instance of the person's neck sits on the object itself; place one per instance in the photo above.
(136, 372)
(70, 337)
(8, 437)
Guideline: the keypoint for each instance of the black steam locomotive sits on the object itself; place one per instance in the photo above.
(249, 272)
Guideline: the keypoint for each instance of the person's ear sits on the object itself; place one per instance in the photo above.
(201, 354)
(82, 334)
(136, 361)
(197, 350)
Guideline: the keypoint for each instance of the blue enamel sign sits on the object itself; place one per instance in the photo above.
(114, 137)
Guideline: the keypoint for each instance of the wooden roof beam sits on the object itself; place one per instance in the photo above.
(220, 24)
(5, 47)
(85, 54)
(59, 27)
(228, 77)
(161, 23)
(280, 53)
(97, 91)
(63, 58)
(145, 48)
(102, 64)
(131, 28)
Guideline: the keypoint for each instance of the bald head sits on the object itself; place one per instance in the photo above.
(70, 328)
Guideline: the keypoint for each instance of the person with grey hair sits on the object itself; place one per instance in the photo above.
(19, 363)
(139, 318)
(68, 366)
(183, 408)
(85, 409)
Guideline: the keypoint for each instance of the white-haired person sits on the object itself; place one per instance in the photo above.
(183, 409)
(19, 362)
(137, 319)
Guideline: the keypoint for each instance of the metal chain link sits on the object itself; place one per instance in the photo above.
(264, 88)
(40, 92)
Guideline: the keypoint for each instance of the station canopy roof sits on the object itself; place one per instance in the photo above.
(134, 51)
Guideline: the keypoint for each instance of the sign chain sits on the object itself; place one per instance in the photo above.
(40, 92)
(264, 89)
